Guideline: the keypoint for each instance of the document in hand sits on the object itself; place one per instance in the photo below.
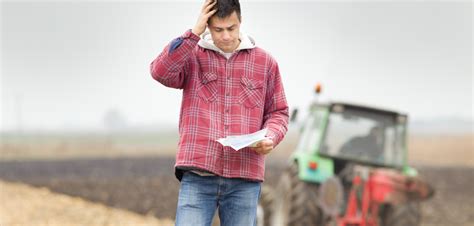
(242, 141)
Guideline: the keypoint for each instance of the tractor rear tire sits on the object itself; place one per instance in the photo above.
(264, 212)
(295, 201)
(407, 214)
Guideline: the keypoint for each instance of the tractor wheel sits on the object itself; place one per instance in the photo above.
(264, 211)
(407, 214)
(295, 201)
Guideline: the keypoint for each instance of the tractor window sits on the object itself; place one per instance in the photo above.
(364, 136)
(311, 135)
(390, 153)
(401, 144)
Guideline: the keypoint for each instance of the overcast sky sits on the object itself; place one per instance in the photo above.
(65, 64)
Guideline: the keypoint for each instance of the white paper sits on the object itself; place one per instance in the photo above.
(242, 141)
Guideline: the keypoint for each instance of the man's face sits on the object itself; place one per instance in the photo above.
(225, 32)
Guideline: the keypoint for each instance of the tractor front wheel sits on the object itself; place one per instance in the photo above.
(264, 209)
(295, 202)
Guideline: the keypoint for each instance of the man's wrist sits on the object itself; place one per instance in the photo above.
(190, 35)
(194, 31)
(271, 136)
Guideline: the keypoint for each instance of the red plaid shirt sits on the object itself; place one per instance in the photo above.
(222, 97)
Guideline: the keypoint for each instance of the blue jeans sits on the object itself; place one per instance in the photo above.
(200, 196)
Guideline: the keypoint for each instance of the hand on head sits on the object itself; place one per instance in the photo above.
(206, 12)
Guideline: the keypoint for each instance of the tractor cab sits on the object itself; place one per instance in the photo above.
(334, 134)
(360, 134)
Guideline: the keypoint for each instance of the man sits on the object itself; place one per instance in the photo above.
(230, 87)
(368, 147)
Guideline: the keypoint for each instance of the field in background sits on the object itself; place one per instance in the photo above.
(445, 150)
(41, 146)
(134, 172)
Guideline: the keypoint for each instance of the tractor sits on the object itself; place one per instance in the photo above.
(349, 169)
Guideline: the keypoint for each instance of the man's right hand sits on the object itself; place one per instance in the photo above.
(206, 13)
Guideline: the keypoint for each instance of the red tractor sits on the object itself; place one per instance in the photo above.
(349, 169)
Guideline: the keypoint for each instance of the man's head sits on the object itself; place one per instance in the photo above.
(224, 25)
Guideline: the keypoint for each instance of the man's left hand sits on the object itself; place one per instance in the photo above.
(263, 147)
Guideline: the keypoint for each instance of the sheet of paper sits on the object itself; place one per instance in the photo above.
(242, 141)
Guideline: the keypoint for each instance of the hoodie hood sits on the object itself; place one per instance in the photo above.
(246, 42)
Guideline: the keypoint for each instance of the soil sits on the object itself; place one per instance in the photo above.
(23, 204)
(147, 185)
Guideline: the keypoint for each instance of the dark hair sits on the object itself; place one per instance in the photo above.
(226, 7)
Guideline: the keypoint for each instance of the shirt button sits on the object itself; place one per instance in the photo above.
(226, 127)
(227, 110)
(227, 94)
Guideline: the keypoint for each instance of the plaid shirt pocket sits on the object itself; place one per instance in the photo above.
(252, 93)
(207, 87)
